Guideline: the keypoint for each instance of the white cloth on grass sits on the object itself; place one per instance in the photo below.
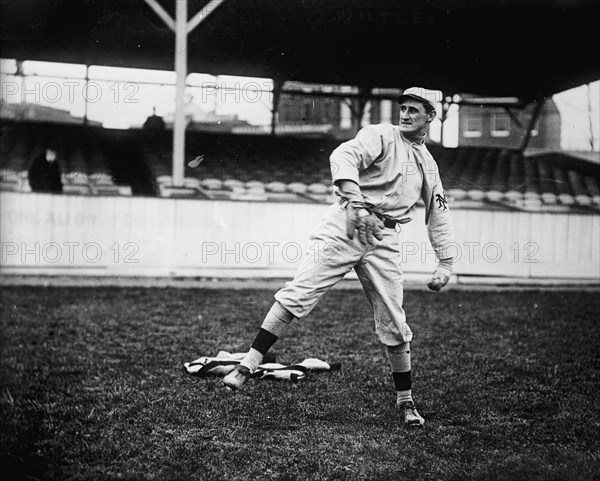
(224, 362)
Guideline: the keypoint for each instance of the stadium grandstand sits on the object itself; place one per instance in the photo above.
(149, 186)
(97, 161)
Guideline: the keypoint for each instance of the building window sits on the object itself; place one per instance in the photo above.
(366, 118)
(284, 111)
(500, 124)
(328, 111)
(307, 111)
(473, 124)
(386, 111)
(345, 115)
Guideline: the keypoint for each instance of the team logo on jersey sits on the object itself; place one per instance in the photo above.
(441, 201)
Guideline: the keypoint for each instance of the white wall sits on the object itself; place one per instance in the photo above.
(133, 236)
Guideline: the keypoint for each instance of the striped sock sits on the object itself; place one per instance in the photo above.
(399, 357)
(275, 324)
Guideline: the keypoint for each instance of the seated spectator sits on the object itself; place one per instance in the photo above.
(154, 123)
(44, 173)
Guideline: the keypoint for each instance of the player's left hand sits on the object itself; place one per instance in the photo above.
(437, 281)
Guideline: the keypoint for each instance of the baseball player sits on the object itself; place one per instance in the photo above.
(379, 177)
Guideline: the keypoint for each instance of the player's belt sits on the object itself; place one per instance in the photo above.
(389, 223)
(392, 223)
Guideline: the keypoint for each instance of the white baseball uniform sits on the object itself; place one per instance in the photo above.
(393, 174)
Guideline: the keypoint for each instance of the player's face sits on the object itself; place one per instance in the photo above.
(414, 119)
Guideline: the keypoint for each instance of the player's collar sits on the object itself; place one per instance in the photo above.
(419, 142)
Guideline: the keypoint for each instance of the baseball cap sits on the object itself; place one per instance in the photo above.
(430, 97)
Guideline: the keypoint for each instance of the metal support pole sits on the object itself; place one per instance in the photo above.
(513, 117)
(277, 88)
(589, 115)
(85, 97)
(443, 117)
(536, 113)
(160, 11)
(181, 74)
(209, 8)
(358, 109)
(181, 27)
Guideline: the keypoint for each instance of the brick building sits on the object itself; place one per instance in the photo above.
(334, 112)
(484, 126)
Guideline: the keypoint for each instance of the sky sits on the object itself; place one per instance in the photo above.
(573, 106)
(121, 98)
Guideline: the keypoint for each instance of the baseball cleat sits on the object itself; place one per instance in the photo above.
(237, 378)
(410, 414)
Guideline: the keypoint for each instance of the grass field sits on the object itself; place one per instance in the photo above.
(93, 387)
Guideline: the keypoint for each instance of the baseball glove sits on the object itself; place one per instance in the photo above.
(359, 219)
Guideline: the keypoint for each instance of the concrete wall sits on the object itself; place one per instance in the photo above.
(134, 236)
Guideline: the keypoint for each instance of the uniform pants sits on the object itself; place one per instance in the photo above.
(331, 255)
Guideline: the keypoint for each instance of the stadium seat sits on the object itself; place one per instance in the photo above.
(566, 199)
(255, 184)
(276, 187)
(102, 179)
(297, 187)
(476, 194)
(9, 186)
(256, 191)
(233, 184)
(191, 183)
(514, 196)
(211, 184)
(494, 195)
(583, 200)
(549, 198)
(318, 188)
(164, 180)
(9, 175)
(532, 203)
(457, 194)
(77, 177)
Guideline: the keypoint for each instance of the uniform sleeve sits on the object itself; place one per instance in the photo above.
(440, 228)
(356, 154)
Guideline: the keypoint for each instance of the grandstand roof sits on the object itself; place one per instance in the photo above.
(493, 47)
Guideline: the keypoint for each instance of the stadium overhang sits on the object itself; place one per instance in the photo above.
(528, 49)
